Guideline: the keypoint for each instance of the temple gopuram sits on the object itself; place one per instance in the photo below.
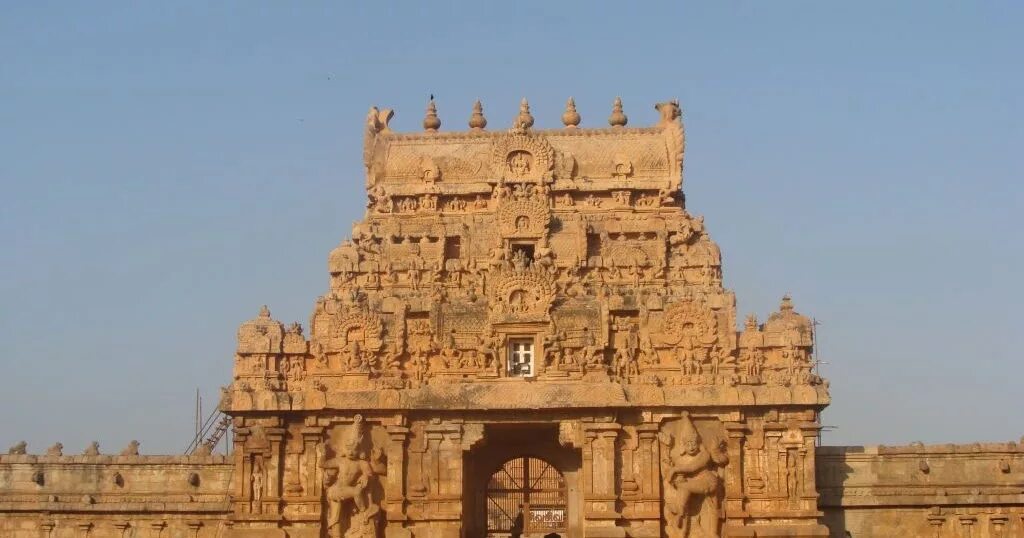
(527, 335)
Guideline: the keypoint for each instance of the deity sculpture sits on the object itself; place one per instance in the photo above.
(348, 477)
(519, 164)
(693, 485)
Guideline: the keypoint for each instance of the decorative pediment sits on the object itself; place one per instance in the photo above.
(524, 217)
(688, 322)
(520, 156)
(522, 295)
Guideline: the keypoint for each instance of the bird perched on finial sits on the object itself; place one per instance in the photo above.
(431, 122)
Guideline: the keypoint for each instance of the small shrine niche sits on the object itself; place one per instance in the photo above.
(519, 164)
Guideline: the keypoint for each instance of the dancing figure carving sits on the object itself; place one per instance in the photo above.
(693, 485)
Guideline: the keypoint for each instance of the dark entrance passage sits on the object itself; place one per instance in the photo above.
(526, 495)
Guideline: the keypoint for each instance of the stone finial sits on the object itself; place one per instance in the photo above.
(132, 449)
(265, 312)
(431, 123)
(618, 118)
(92, 450)
(295, 328)
(524, 120)
(477, 121)
(18, 449)
(56, 450)
(787, 304)
(570, 117)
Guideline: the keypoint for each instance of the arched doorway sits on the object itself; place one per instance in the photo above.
(532, 486)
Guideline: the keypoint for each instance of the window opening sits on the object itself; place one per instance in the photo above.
(520, 358)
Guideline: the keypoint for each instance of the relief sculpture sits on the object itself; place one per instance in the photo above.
(693, 482)
(350, 481)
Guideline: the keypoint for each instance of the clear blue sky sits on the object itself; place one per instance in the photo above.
(168, 167)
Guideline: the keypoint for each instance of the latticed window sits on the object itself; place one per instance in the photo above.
(520, 358)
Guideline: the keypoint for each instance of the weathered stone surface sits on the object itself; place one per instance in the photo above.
(524, 322)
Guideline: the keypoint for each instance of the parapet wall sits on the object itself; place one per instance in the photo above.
(974, 490)
(113, 496)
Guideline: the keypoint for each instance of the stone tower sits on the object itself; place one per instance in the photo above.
(526, 333)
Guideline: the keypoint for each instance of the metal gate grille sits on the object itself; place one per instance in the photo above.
(533, 484)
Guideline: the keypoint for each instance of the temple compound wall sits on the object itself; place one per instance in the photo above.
(113, 496)
(526, 334)
(936, 491)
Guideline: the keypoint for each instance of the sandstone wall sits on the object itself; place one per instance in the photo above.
(937, 491)
(113, 496)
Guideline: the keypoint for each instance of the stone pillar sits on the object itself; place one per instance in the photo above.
(443, 461)
(647, 462)
(122, 527)
(999, 525)
(194, 526)
(432, 459)
(46, 529)
(312, 436)
(967, 526)
(273, 465)
(734, 488)
(156, 529)
(243, 467)
(600, 495)
(936, 523)
(84, 529)
(394, 483)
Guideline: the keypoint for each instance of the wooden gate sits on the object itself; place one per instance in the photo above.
(531, 487)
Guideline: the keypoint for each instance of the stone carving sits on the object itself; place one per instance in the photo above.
(519, 156)
(56, 450)
(92, 450)
(260, 335)
(522, 291)
(570, 117)
(692, 328)
(18, 448)
(256, 486)
(618, 118)
(477, 121)
(523, 217)
(132, 449)
(622, 167)
(675, 142)
(692, 481)
(348, 479)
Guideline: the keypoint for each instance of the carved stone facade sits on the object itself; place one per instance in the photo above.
(528, 333)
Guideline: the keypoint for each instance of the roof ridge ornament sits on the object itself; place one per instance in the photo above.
(431, 123)
(618, 118)
(524, 120)
(477, 121)
(570, 117)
